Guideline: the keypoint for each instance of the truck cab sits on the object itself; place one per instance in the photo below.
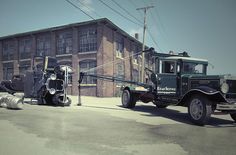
(183, 81)
(173, 74)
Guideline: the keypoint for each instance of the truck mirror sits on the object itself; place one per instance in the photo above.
(178, 68)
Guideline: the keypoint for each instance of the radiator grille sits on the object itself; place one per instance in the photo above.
(56, 84)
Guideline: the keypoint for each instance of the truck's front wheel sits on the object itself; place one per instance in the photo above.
(127, 99)
(199, 109)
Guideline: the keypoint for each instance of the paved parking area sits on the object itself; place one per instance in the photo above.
(102, 126)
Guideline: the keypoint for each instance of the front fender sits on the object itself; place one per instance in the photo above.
(212, 94)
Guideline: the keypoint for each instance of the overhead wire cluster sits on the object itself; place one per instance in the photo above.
(114, 10)
(131, 18)
(89, 8)
(80, 9)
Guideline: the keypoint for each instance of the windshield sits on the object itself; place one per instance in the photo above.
(193, 68)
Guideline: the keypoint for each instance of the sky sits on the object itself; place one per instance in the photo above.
(204, 28)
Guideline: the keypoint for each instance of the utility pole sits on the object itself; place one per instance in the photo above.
(144, 33)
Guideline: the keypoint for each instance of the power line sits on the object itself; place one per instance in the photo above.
(119, 13)
(126, 11)
(80, 9)
(135, 5)
(153, 39)
(157, 21)
(160, 21)
(88, 8)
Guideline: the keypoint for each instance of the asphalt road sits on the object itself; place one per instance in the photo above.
(102, 127)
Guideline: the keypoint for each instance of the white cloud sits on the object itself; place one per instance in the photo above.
(87, 5)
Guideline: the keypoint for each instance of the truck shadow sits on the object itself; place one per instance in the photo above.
(180, 116)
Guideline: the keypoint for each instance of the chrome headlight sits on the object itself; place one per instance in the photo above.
(53, 77)
(224, 88)
(52, 91)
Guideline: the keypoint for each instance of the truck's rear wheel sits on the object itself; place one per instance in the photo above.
(233, 116)
(127, 99)
(199, 109)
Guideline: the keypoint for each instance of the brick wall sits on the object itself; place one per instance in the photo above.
(100, 88)
(106, 54)
(127, 58)
(108, 60)
(75, 62)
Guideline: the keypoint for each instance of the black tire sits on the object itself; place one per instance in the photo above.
(58, 100)
(233, 116)
(199, 109)
(128, 100)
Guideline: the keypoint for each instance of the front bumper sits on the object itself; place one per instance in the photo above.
(226, 106)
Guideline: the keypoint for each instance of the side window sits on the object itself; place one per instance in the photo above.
(88, 66)
(168, 67)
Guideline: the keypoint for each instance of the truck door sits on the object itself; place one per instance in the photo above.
(167, 78)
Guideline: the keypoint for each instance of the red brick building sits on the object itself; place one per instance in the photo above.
(98, 46)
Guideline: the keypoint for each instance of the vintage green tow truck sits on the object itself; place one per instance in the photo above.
(183, 81)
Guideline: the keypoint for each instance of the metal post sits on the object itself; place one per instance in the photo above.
(79, 96)
(144, 33)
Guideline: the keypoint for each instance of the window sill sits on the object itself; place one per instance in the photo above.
(119, 57)
(63, 55)
(7, 61)
(88, 85)
(119, 86)
(90, 52)
(28, 59)
(38, 58)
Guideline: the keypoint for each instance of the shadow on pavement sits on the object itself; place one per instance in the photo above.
(180, 117)
(103, 107)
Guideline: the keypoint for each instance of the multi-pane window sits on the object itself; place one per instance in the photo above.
(24, 66)
(7, 71)
(25, 46)
(8, 50)
(119, 46)
(64, 42)
(120, 72)
(135, 75)
(136, 53)
(43, 45)
(88, 40)
(67, 63)
(89, 67)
